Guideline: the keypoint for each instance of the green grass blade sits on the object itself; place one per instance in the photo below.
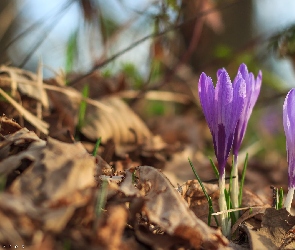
(215, 169)
(94, 153)
(71, 51)
(281, 198)
(205, 193)
(242, 180)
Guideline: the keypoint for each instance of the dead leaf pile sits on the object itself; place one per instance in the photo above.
(55, 195)
(53, 188)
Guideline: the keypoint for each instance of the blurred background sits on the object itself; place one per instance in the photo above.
(164, 46)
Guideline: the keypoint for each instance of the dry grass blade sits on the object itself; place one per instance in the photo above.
(35, 121)
(157, 95)
(26, 82)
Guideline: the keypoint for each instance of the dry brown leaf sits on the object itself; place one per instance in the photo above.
(24, 223)
(121, 124)
(164, 207)
(63, 169)
(193, 194)
(254, 212)
(273, 232)
(160, 241)
(8, 126)
(19, 219)
(17, 149)
(109, 233)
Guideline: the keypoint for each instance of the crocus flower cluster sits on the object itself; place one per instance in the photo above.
(227, 109)
(289, 127)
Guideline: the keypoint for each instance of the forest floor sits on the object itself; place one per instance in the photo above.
(137, 189)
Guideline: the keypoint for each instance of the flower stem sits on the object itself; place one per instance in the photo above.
(235, 186)
(289, 199)
(225, 227)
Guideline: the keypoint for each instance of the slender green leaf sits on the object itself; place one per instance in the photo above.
(281, 198)
(242, 180)
(211, 211)
(94, 153)
(216, 172)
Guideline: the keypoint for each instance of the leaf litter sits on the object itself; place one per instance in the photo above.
(56, 195)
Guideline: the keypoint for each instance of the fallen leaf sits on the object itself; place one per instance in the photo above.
(115, 124)
(165, 207)
(63, 169)
(273, 231)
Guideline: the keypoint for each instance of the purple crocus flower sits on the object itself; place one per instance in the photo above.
(289, 127)
(222, 107)
(252, 91)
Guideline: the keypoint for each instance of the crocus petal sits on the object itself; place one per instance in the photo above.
(206, 94)
(222, 108)
(289, 127)
(229, 103)
(223, 98)
(252, 91)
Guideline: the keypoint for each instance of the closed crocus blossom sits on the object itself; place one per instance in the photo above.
(289, 127)
(252, 91)
(222, 108)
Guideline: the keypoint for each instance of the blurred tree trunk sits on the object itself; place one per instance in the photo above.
(237, 23)
(8, 23)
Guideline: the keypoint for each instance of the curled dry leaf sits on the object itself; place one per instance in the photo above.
(120, 124)
(164, 207)
(8, 126)
(18, 151)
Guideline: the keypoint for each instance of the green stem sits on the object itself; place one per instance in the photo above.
(243, 180)
(234, 192)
